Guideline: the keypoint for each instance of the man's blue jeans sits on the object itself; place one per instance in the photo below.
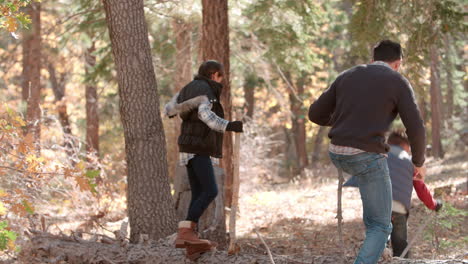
(371, 171)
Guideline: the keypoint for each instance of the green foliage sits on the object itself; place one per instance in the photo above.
(286, 28)
(7, 237)
(11, 17)
(448, 220)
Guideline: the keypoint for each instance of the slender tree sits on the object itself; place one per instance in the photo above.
(250, 82)
(215, 46)
(436, 111)
(150, 205)
(318, 143)
(58, 83)
(182, 76)
(449, 68)
(298, 132)
(92, 116)
(33, 73)
(298, 124)
(26, 45)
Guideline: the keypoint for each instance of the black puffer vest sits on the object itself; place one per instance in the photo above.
(195, 136)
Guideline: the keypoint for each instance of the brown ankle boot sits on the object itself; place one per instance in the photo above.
(194, 251)
(187, 234)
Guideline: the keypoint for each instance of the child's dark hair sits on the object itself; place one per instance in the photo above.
(209, 68)
(398, 137)
(388, 51)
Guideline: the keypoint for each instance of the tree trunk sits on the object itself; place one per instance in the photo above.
(58, 87)
(182, 76)
(150, 205)
(92, 116)
(449, 70)
(215, 45)
(250, 83)
(27, 49)
(318, 143)
(33, 113)
(298, 122)
(422, 104)
(436, 113)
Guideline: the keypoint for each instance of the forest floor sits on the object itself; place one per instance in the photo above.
(298, 219)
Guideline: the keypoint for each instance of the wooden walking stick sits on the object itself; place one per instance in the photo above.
(233, 248)
(417, 235)
(339, 214)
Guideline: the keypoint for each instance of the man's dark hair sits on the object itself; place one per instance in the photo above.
(388, 51)
(398, 137)
(209, 68)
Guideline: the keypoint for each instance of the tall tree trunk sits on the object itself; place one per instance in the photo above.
(422, 104)
(318, 143)
(58, 87)
(215, 45)
(27, 49)
(250, 82)
(436, 113)
(33, 113)
(298, 122)
(182, 76)
(449, 70)
(92, 116)
(150, 205)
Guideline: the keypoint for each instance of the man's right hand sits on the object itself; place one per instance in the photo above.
(419, 173)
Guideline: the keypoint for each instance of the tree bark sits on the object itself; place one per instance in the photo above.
(27, 49)
(150, 205)
(436, 113)
(182, 76)
(92, 115)
(215, 45)
(250, 83)
(298, 123)
(58, 87)
(318, 143)
(422, 104)
(33, 113)
(449, 70)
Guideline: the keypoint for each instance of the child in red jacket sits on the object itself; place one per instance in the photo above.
(403, 179)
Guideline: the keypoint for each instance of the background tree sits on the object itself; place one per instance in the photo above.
(150, 207)
(215, 46)
(33, 74)
(286, 39)
(92, 116)
(182, 29)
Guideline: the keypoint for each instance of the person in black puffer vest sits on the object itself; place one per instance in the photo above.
(200, 143)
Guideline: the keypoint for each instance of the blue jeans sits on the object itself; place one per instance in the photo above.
(203, 185)
(371, 171)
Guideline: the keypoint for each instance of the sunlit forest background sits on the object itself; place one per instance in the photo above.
(72, 176)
